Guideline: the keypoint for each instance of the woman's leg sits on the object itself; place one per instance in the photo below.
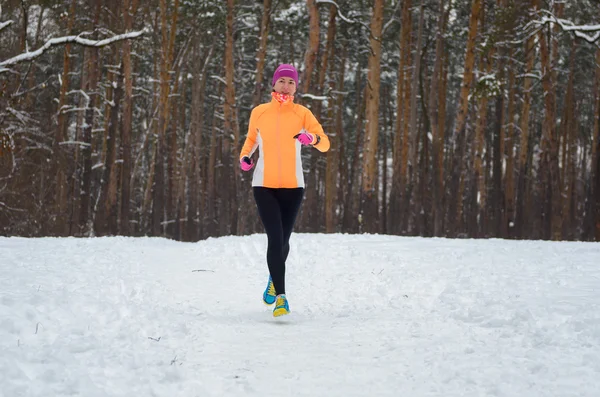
(270, 214)
(289, 202)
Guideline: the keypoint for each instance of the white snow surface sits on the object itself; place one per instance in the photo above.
(371, 315)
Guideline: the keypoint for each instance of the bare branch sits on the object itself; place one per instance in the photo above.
(23, 117)
(5, 24)
(345, 19)
(569, 26)
(12, 209)
(28, 56)
(40, 85)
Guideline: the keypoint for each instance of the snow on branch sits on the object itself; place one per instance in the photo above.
(5, 24)
(23, 117)
(338, 10)
(314, 97)
(30, 55)
(569, 26)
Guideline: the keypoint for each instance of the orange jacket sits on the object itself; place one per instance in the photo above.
(272, 129)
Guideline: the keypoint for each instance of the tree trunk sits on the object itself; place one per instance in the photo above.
(341, 171)
(85, 226)
(126, 121)
(310, 56)
(25, 28)
(111, 165)
(425, 200)
(400, 149)
(60, 152)
(569, 148)
(307, 216)
(369, 205)
(211, 191)
(333, 155)
(232, 129)
(595, 173)
(183, 166)
(146, 216)
(28, 97)
(172, 223)
(437, 143)
(262, 53)
(549, 145)
(195, 193)
(522, 212)
(509, 182)
(479, 192)
(314, 213)
(388, 129)
(86, 138)
(159, 194)
(408, 75)
(174, 176)
(106, 215)
(413, 143)
(461, 118)
(496, 198)
(352, 217)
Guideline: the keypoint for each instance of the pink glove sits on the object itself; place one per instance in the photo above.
(246, 163)
(305, 138)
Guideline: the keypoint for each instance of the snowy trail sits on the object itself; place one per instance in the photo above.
(371, 315)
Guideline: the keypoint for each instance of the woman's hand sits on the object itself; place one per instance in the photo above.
(306, 138)
(246, 163)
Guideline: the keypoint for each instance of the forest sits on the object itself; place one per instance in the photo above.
(447, 118)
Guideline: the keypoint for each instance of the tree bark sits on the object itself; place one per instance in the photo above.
(211, 191)
(509, 180)
(413, 142)
(522, 194)
(569, 172)
(436, 132)
(479, 195)
(61, 164)
(24, 29)
(549, 145)
(340, 142)
(369, 205)
(262, 53)
(129, 11)
(403, 214)
(310, 56)
(461, 117)
(85, 226)
(307, 218)
(195, 194)
(352, 218)
(172, 223)
(333, 155)
(595, 172)
(400, 149)
(159, 188)
(232, 129)
(107, 213)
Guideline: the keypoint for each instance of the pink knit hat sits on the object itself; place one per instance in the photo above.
(285, 70)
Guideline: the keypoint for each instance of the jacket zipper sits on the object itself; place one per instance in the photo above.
(279, 142)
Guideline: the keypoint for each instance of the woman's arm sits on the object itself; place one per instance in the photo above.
(250, 142)
(312, 125)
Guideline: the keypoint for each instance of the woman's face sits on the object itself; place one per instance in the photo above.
(285, 85)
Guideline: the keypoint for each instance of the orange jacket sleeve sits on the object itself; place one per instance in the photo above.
(250, 142)
(314, 127)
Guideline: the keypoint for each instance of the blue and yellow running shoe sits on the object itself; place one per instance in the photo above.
(281, 307)
(269, 294)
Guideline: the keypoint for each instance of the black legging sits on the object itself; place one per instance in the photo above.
(277, 209)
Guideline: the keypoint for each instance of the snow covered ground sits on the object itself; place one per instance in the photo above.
(371, 316)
